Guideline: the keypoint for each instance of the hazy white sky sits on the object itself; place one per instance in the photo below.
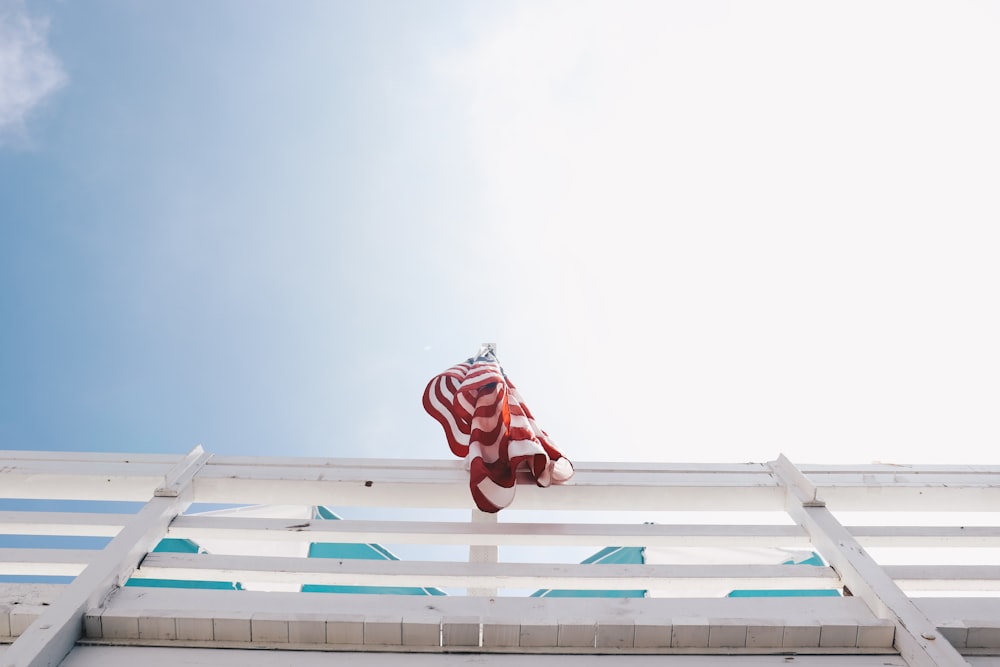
(697, 231)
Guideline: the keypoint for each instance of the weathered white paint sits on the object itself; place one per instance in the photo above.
(62, 523)
(488, 533)
(916, 636)
(515, 623)
(431, 483)
(124, 656)
(48, 562)
(488, 623)
(481, 553)
(330, 571)
(539, 534)
(51, 637)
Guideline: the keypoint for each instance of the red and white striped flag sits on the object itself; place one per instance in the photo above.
(487, 423)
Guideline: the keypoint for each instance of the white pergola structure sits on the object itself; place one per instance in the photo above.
(919, 613)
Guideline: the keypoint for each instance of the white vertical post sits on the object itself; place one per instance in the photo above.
(482, 553)
(53, 634)
(917, 639)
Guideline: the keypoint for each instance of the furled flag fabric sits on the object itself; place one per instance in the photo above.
(487, 423)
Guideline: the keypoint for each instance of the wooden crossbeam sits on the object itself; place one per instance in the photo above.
(332, 571)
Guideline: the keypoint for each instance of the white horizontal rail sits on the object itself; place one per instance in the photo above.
(319, 463)
(566, 534)
(90, 457)
(78, 524)
(491, 534)
(751, 478)
(332, 571)
(982, 578)
(81, 480)
(447, 486)
(45, 562)
(195, 527)
(443, 483)
(515, 625)
(49, 639)
(957, 537)
(498, 534)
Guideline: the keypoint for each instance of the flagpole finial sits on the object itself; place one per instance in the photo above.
(487, 348)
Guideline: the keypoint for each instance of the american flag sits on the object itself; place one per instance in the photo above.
(487, 423)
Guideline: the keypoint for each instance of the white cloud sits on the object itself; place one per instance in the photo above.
(29, 71)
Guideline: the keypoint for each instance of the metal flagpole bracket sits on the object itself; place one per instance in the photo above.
(796, 482)
(178, 477)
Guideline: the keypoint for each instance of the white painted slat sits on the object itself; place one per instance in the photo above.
(915, 478)
(813, 469)
(450, 490)
(914, 498)
(713, 494)
(62, 523)
(504, 621)
(109, 470)
(315, 463)
(645, 486)
(115, 656)
(46, 642)
(946, 577)
(100, 457)
(178, 478)
(45, 562)
(453, 474)
(330, 571)
(563, 534)
(483, 553)
(494, 534)
(915, 636)
(959, 537)
(821, 474)
(80, 481)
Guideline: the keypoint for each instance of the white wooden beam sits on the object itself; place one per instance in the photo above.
(487, 533)
(163, 656)
(917, 639)
(45, 562)
(483, 553)
(448, 487)
(80, 524)
(439, 483)
(507, 624)
(81, 481)
(981, 578)
(196, 527)
(356, 463)
(914, 497)
(332, 571)
(957, 537)
(47, 641)
(73, 457)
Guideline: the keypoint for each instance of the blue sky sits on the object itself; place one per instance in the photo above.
(703, 231)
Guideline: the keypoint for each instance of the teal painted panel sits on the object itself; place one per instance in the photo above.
(357, 552)
(612, 555)
(790, 593)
